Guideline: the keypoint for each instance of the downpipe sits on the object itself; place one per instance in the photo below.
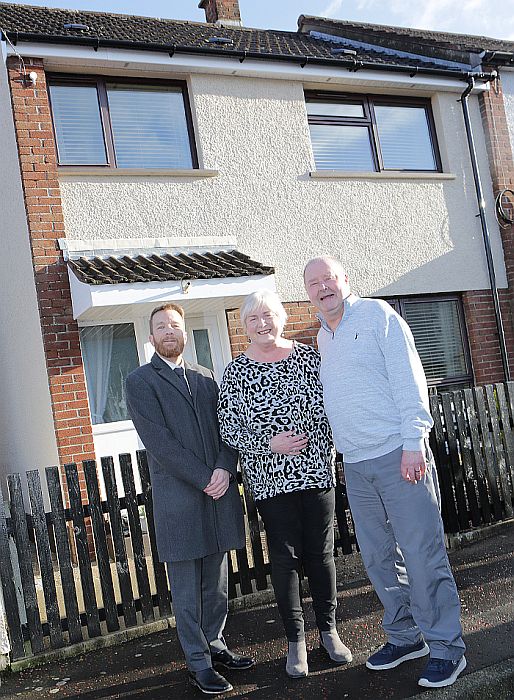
(485, 231)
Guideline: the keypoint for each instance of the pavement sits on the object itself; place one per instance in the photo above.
(152, 667)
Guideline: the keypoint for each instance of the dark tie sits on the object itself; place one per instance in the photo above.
(180, 372)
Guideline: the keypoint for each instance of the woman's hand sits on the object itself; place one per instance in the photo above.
(288, 442)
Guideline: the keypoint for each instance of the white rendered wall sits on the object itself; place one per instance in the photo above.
(403, 236)
(507, 79)
(27, 437)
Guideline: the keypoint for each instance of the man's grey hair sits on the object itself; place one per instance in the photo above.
(264, 299)
(325, 258)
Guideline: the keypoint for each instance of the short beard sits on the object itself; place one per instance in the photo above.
(170, 353)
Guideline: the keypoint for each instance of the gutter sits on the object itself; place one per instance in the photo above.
(350, 63)
(505, 58)
(485, 231)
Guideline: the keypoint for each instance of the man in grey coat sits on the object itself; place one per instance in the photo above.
(376, 399)
(197, 507)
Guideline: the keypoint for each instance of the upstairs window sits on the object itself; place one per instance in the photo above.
(371, 133)
(122, 124)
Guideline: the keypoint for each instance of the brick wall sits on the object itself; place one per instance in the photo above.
(302, 325)
(483, 334)
(501, 162)
(38, 161)
(478, 305)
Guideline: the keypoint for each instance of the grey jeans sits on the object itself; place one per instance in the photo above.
(400, 535)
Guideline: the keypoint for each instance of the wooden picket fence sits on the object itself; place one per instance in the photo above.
(82, 570)
(473, 444)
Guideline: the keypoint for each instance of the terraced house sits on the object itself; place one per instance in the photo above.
(146, 160)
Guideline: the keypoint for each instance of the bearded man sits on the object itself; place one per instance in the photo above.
(197, 509)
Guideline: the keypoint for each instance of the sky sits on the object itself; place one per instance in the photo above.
(494, 18)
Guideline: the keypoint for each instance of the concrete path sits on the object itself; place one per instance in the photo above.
(151, 668)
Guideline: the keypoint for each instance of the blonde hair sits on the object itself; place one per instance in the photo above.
(264, 299)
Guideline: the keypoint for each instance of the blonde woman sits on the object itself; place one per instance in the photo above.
(271, 410)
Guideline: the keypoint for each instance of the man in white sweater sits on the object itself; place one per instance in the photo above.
(376, 399)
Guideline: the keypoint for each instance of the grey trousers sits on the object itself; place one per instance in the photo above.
(400, 535)
(199, 591)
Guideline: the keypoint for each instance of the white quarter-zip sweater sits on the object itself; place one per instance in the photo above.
(374, 386)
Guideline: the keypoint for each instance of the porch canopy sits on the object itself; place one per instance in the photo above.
(199, 281)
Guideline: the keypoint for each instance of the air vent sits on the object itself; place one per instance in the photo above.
(347, 52)
(77, 27)
(220, 41)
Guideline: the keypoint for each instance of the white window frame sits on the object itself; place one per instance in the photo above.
(216, 326)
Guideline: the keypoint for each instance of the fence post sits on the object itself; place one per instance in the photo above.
(5, 646)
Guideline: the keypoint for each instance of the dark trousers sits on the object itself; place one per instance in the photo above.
(300, 533)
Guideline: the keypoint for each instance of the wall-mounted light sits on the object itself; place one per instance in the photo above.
(27, 79)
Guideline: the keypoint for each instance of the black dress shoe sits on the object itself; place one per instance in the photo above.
(231, 660)
(209, 681)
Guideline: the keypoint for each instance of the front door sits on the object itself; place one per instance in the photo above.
(204, 344)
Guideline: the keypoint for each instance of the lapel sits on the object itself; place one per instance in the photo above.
(165, 371)
(192, 378)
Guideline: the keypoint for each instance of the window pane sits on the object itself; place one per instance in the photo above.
(404, 138)
(110, 354)
(436, 329)
(77, 123)
(341, 147)
(203, 348)
(335, 109)
(149, 127)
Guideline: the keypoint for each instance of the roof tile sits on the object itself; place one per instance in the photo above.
(46, 25)
(459, 42)
(162, 268)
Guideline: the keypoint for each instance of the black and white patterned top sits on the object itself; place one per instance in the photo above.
(261, 399)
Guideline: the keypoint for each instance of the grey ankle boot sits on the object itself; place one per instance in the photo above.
(332, 644)
(296, 664)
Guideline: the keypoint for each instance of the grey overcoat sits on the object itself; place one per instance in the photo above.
(181, 436)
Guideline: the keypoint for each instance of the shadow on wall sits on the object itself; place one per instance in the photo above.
(463, 267)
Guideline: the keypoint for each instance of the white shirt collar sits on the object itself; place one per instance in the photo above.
(172, 364)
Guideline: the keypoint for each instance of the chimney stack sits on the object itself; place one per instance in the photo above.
(224, 13)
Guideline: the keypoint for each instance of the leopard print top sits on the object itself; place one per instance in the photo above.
(260, 399)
